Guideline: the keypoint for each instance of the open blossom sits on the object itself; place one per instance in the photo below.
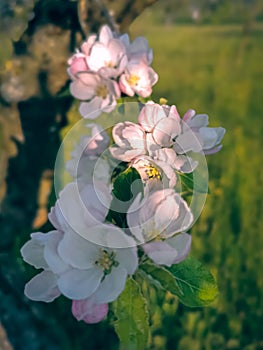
(152, 141)
(138, 50)
(84, 259)
(183, 135)
(78, 268)
(165, 126)
(130, 141)
(157, 217)
(160, 214)
(138, 78)
(99, 94)
(108, 55)
(209, 138)
(107, 65)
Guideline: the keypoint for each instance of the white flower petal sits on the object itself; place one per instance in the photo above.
(124, 154)
(110, 236)
(165, 131)
(105, 35)
(77, 251)
(79, 90)
(54, 261)
(53, 218)
(98, 57)
(128, 259)
(197, 121)
(125, 86)
(211, 136)
(150, 114)
(79, 284)
(83, 207)
(33, 253)
(42, 287)
(166, 215)
(188, 141)
(92, 109)
(182, 244)
(112, 286)
(160, 252)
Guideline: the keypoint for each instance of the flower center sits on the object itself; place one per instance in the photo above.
(109, 64)
(102, 91)
(147, 171)
(152, 235)
(107, 261)
(133, 80)
(152, 172)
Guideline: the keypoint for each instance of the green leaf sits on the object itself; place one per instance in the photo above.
(162, 277)
(125, 188)
(194, 182)
(132, 324)
(127, 185)
(197, 284)
(189, 280)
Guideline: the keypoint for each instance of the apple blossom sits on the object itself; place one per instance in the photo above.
(107, 55)
(137, 50)
(99, 94)
(138, 78)
(130, 141)
(77, 268)
(160, 214)
(209, 138)
(152, 113)
(96, 269)
(152, 141)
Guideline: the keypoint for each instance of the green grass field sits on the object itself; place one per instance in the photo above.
(218, 71)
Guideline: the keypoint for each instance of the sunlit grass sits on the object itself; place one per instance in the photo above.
(218, 71)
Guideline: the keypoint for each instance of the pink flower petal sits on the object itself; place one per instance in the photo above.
(85, 310)
(165, 131)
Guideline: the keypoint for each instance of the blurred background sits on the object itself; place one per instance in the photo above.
(209, 57)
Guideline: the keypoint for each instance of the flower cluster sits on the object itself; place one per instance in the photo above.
(108, 66)
(124, 205)
(164, 140)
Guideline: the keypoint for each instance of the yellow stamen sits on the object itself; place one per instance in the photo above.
(109, 64)
(152, 172)
(133, 80)
(102, 91)
(107, 261)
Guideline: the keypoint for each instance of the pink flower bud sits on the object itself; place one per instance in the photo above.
(77, 64)
(85, 310)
